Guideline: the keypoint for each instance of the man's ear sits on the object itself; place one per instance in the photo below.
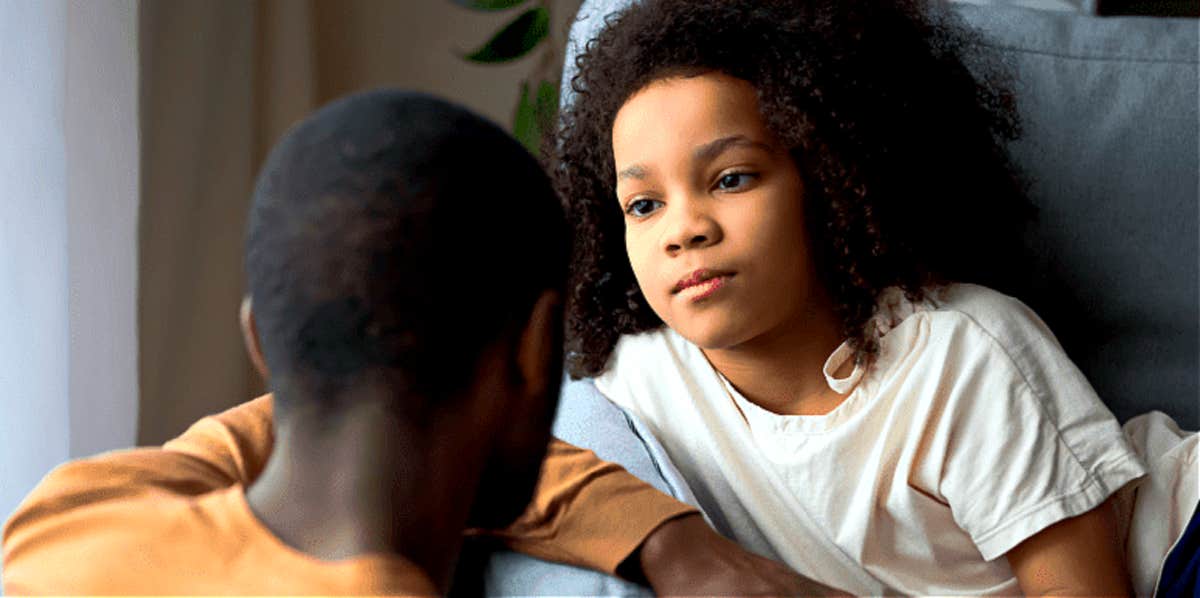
(539, 352)
(250, 337)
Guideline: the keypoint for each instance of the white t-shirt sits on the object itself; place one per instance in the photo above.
(968, 433)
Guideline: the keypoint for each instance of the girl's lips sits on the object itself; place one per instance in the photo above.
(699, 277)
(705, 289)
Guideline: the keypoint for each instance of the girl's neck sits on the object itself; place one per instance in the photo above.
(782, 370)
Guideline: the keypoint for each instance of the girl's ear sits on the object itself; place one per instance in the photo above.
(250, 337)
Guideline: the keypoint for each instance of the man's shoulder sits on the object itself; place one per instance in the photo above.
(107, 503)
(90, 527)
(237, 441)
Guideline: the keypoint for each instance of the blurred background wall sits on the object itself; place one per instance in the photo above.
(220, 81)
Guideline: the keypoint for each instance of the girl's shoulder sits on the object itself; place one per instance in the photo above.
(976, 312)
(972, 329)
(999, 314)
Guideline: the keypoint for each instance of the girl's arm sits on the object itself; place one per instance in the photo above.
(1080, 556)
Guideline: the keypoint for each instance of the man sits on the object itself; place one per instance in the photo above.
(405, 261)
(406, 385)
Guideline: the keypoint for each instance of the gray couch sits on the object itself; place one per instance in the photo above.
(1111, 145)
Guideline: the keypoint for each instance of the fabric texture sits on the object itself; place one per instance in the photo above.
(970, 432)
(169, 543)
(1158, 508)
(1074, 6)
(586, 512)
(1181, 572)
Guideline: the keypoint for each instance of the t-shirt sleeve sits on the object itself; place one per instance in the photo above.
(588, 512)
(1026, 441)
(236, 442)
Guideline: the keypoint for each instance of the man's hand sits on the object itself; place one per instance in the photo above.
(684, 556)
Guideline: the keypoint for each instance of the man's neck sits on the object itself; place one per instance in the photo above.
(365, 481)
(783, 370)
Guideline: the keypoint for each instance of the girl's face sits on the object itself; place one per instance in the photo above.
(714, 223)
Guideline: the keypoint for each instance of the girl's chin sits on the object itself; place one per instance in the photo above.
(711, 333)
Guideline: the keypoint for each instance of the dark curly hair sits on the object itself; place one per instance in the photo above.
(895, 117)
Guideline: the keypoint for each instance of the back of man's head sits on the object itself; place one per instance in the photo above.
(394, 235)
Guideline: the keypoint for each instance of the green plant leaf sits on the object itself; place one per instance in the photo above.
(516, 39)
(535, 115)
(547, 106)
(488, 5)
(525, 123)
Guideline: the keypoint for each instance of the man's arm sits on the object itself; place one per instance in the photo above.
(588, 512)
(585, 511)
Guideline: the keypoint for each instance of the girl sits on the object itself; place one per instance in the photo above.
(779, 205)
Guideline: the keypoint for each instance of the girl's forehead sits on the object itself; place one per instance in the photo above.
(712, 97)
(680, 113)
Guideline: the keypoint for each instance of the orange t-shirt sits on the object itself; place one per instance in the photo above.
(175, 520)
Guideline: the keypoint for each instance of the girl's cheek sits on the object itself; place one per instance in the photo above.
(639, 249)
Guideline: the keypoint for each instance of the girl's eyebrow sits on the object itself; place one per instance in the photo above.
(709, 151)
(705, 153)
(637, 171)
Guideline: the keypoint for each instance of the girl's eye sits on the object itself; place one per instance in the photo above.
(734, 181)
(642, 207)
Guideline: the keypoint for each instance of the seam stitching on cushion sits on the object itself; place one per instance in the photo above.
(1114, 58)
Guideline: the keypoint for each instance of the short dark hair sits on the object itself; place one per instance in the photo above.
(900, 145)
(393, 233)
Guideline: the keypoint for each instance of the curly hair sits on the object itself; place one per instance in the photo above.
(896, 118)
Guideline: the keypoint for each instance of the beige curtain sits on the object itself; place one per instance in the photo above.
(200, 142)
(220, 81)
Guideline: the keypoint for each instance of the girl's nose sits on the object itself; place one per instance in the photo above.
(690, 228)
